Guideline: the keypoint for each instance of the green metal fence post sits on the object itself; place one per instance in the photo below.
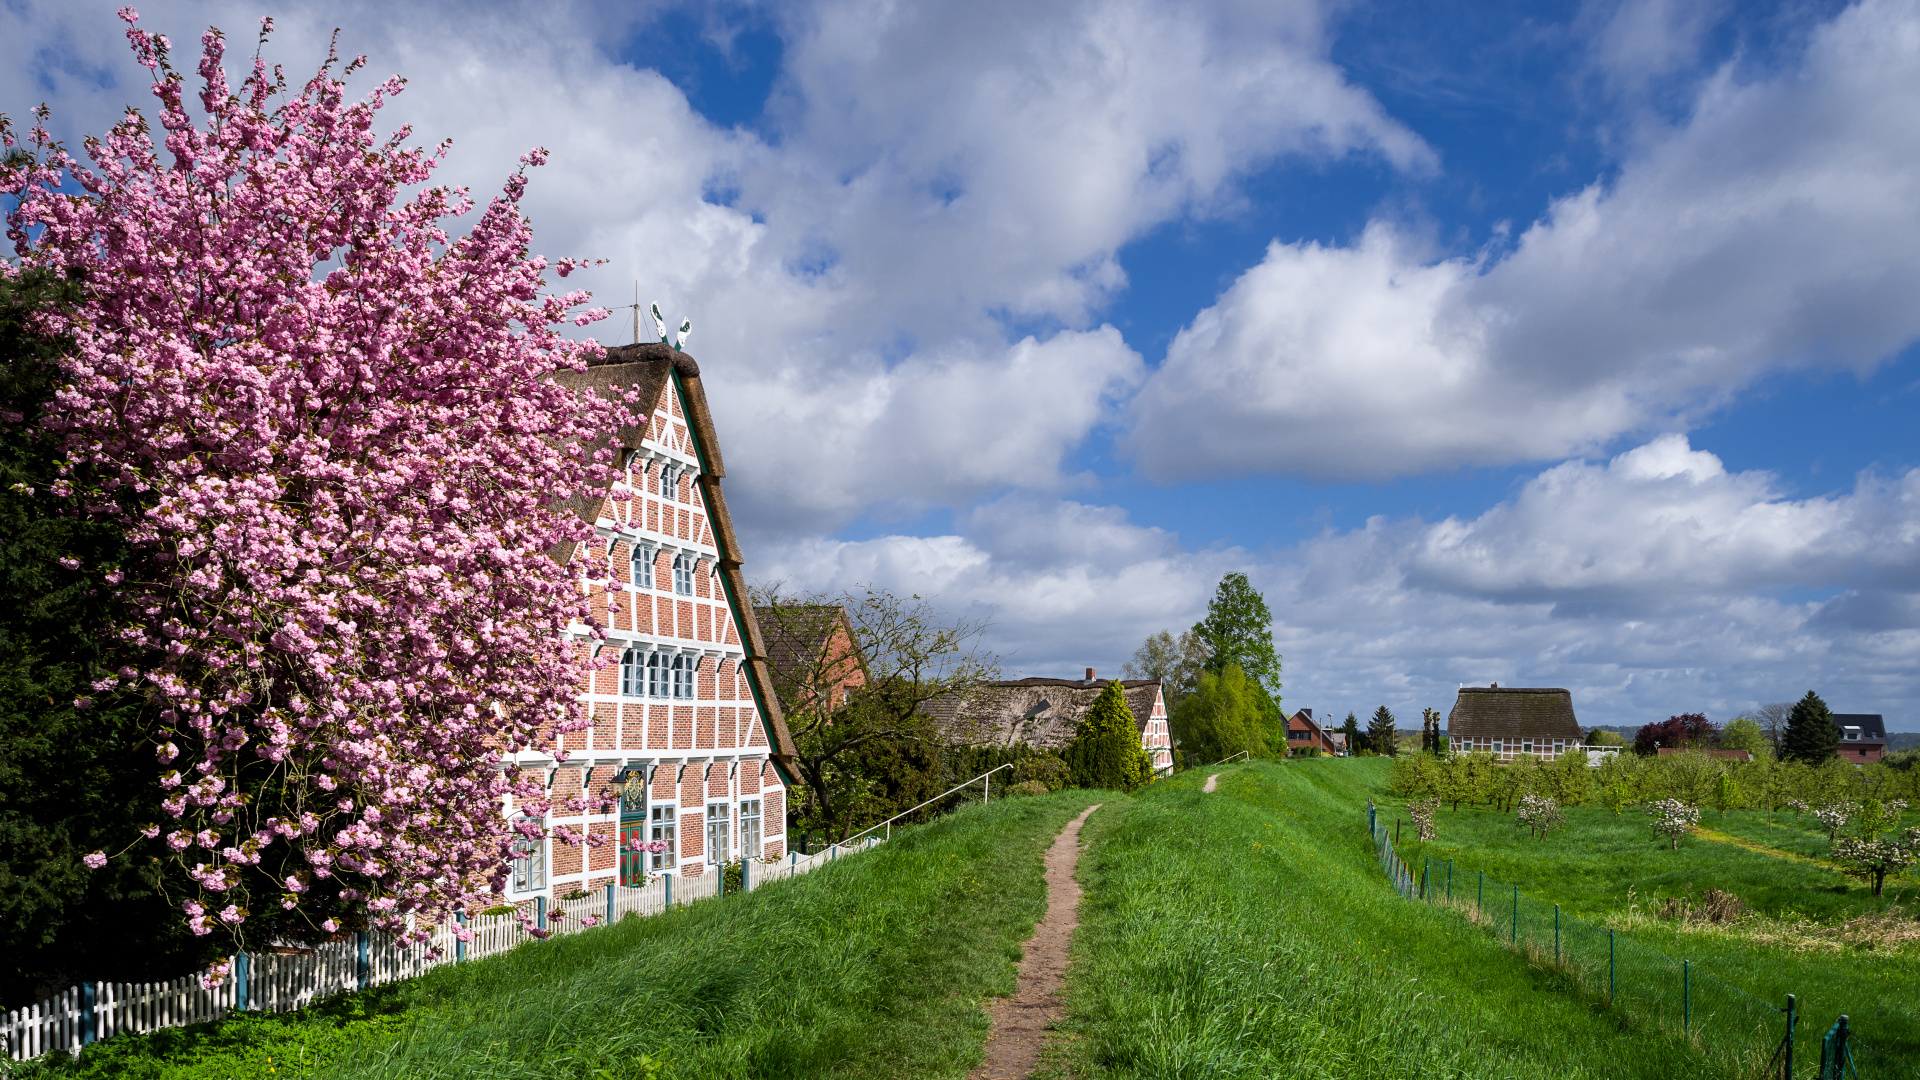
(1613, 978)
(1790, 1019)
(1515, 936)
(1686, 997)
(1556, 933)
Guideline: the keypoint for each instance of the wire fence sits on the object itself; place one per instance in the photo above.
(1741, 1034)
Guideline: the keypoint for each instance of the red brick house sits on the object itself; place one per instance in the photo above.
(1044, 714)
(1305, 735)
(685, 730)
(1863, 737)
(811, 652)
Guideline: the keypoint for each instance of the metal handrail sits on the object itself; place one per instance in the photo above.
(1223, 761)
(889, 822)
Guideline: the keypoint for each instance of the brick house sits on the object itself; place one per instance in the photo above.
(1512, 722)
(811, 651)
(685, 730)
(1304, 734)
(1044, 713)
(1863, 737)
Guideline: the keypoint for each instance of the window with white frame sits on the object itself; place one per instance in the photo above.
(749, 828)
(663, 826)
(670, 483)
(1526, 746)
(1499, 747)
(719, 847)
(684, 667)
(529, 863)
(633, 673)
(683, 566)
(657, 675)
(642, 567)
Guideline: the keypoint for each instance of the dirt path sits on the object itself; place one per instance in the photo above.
(1212, 782)
(1020, 1022)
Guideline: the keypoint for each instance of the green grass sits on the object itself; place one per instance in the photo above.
(1250, 933)
(876, 965)
(1614, 872)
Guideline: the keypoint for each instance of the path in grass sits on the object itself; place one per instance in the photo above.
(1212, 782)
(1718, 837)
(1021, 1022)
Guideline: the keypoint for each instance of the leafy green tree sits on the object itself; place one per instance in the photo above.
(1430, 731)
(1811, 734)
(77, 771)
(1603, 737)
(1380, 732)
(1106, 751)
(1175, 663)
(1745, 733)
(1221, 718)
(1238, 630)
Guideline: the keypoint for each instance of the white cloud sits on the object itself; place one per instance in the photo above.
(1778, 228)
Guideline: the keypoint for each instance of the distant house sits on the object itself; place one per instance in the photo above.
(1511, 722)
(1863, 737)
(1340, 748)
(812, 655)
(1045, 714)
(1304, 735)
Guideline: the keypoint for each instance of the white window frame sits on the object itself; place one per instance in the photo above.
(684, 567)
(528, 865)
(685, 672)
(633, 673)
(750, 837)
(642, 560)
(670, 483)
(663, 823)
(722, 823)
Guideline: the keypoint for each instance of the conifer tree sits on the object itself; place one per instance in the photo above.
(1811, 734)
(1356, 741)
(1380, 733)
(1106, 751)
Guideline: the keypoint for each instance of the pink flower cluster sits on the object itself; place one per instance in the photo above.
(329, 427)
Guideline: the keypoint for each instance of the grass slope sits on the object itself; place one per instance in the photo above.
(1615, 872)
(1250, 933)
(872, 966)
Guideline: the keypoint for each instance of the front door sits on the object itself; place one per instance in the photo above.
(633, 834)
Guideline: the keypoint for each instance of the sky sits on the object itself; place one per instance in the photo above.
(1548, 345)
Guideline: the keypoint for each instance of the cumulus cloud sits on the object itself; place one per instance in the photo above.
(1775, 229)
(1652, 583)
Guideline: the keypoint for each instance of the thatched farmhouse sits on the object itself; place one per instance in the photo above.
(1044, 713)
(1512, 721)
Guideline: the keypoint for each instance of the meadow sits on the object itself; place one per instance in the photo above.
(1250, 933)
(875, 965)
(1808, 929)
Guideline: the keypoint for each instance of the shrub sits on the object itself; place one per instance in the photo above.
(1672, 819)
(1028, 787)
(1047, 770)
(1540, 814)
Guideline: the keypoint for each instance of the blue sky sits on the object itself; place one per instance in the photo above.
(1560, 345)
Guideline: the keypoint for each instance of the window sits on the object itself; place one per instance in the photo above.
(749, 828)
(632, 673)
(1526, 747)
(670, 482)
(683, 574)
(718, 848)
(683, 670)
(1498, 748)
(664, 827)
(529, 863)
(657, 675)
(642, 567)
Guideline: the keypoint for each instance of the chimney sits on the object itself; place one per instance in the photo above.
(1089, 674)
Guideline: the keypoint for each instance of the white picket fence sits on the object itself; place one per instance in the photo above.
(291, 979)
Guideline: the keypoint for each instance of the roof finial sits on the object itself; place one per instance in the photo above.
(660, 327)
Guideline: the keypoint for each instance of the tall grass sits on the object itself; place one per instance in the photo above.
(872, 966)
(1250, 933)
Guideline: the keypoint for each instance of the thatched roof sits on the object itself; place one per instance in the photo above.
(1041, 713)
(1501, 712)
(648, 368)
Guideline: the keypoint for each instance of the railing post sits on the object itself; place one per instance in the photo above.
(86, 1013)
(1686, 997)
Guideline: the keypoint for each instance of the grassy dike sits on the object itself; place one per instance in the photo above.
(1250, 933)
(872, 966)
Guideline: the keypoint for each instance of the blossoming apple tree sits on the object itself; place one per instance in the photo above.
(326, 422)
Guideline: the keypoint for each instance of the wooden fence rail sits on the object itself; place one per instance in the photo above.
(287, 979)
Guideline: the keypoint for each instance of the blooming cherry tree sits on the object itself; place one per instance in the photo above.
(1673, 819)
(328, 425)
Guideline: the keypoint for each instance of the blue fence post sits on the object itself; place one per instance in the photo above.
(459, 945)
(746, 874)
(242, 995)
(669, 880)
(539, 913)
(86, 1013)
(363, 959)
(610, 888)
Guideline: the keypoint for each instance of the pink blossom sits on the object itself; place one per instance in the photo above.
(95, 860)
(355, 466)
